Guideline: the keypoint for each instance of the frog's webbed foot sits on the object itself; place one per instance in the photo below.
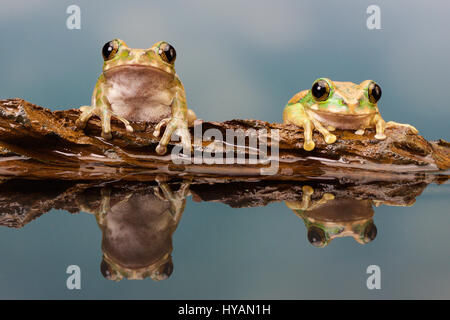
(173, 125)
(105, 115)
(308, 127)
(391, 124)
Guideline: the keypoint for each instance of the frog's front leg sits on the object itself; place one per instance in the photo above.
(380, 126)
(296, 114)
(177, 123)
(307, 203)
(101, 108)
(101, 211)
(176, 199)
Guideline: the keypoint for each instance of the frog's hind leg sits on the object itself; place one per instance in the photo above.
(390, 124)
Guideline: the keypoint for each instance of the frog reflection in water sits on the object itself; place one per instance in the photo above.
(331, 105)
(330, 218)
(137, 231)
(140, 85)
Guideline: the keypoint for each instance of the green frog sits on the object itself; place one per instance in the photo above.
(331, 105)
(329, 218)
(140, 85)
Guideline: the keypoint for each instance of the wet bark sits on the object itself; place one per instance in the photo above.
(37, 143)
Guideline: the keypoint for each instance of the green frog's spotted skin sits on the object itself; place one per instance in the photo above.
(331, 105)
(140, 85)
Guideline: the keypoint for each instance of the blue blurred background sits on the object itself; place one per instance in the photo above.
(239, 59)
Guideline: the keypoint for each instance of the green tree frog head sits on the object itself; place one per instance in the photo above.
(343, 97)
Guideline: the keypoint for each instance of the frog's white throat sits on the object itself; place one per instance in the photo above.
(140, 93)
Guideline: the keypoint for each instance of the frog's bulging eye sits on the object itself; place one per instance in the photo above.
(320, 90)
(370, 232)
(374, 92)
(109, 50)
(167, 53)
(316, 236)
(105, 269)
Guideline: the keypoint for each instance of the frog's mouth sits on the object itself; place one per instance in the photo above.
(343, 121)
(156, 69)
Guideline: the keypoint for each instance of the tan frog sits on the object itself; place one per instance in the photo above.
(140, 85)
(137, 229)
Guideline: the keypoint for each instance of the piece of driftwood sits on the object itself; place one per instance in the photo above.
(22, 201)
(37, 143)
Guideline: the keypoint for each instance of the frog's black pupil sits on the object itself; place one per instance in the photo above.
(169, 52)
(370, 232)
(376, 92)
(320, 89)
(316, 236)
(107, 49)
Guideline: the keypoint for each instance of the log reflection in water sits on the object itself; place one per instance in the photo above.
(138, 219)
